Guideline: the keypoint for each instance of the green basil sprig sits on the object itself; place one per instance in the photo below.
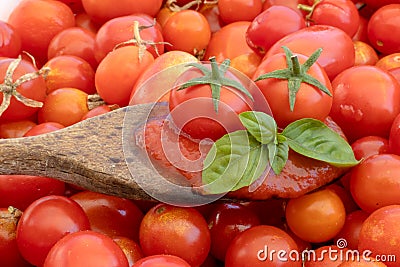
(240, 158)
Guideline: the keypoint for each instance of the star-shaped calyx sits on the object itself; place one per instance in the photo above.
(215, 77)
(296, 74)
(9, 87)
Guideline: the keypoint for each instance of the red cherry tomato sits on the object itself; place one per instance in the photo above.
(110, 215)
(253, 246)
(10, 41)
(34, 89)
(86, 248)
(389, 62)
(74, 41)
(161, 260)
(342, 14)
(379, 231)
(239, 10)
(20, 191)
(372, 114)
(46, 221)
(122, 29)
(311, 102)
(225, 223)
(394, 137)
(288, 20)
(100, 12)
(70, 71)
(369, 146)
(376, 174)
(43, 128)
(15, 129)
(192, 109)
(365, 54)
(131, 249)
(178, 231)
(113, 83)
(38, 21)
(97, 111)
(338, 49)
(383, 29)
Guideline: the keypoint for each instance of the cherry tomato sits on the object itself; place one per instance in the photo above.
(379, 233)
(122, 29)
(70, 71)
(239, 10)
(229, 42)
(365, 54)
(187, 31)
(369, 146)
(383, 29)
(310, 101)
(338, 48)
(363, 107)
(389, 62)
(86, 248)
(110, 215)
(192, 109)
(351, 228)
(162, 260)
(75, 5)
(246, 63)
(38, 21)
(74, 41)
(178, 231)
(225, 223)
(253, 248)
(100, 12)
(20, 191)
(342, 14)
(34, 89)
(45, 222)
(98, 111)
(10, 41)
(43, 128)
(65, 106)
(345, 195)
(376, 174)
(212, 14)
(362, 31)
(9, 253)
(288, 20)
(293, 4)
(15, 129)
(142, 92)
(131, 249)
(113, 82)
(321, 210)
(375, 4)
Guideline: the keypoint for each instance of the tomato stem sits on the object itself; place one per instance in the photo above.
(172, 5)
(9, 87)
(296, 65)
(216, 79)
(309, 9)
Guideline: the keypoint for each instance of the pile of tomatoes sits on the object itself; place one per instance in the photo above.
(56, 55)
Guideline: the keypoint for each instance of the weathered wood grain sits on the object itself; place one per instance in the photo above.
(89, 154)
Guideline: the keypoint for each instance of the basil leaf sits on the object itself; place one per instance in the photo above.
(260, 125)
(234, 161)
(279, 156)
(313, 139)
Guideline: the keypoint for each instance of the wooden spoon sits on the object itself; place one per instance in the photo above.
(89, 154)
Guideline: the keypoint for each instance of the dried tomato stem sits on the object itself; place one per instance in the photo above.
(171, 5)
